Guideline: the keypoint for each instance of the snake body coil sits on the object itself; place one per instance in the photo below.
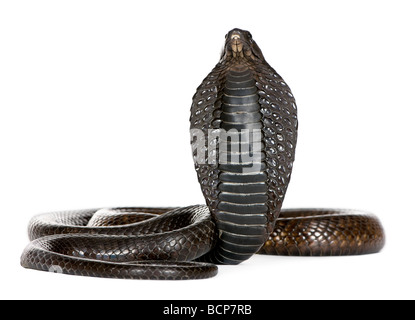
(244, 134)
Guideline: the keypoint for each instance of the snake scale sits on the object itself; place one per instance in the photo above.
(243, 134)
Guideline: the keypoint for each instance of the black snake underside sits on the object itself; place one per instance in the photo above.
(243, 133)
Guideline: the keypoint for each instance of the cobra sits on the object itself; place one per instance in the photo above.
(243, 132)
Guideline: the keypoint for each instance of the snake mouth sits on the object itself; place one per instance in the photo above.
(236, 43)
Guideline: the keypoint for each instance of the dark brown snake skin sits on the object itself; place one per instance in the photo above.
(244, 133)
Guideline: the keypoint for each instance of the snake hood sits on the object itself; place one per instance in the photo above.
(240, 46)
(246, 171)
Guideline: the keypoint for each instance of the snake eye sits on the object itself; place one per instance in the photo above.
(249, 36)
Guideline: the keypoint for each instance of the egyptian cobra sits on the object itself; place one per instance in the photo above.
(243, 135)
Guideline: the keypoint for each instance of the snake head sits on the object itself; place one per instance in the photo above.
(240, 45)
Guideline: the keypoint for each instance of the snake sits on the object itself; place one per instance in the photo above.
(243, 135)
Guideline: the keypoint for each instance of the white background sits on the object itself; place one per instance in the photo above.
(95, 95)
